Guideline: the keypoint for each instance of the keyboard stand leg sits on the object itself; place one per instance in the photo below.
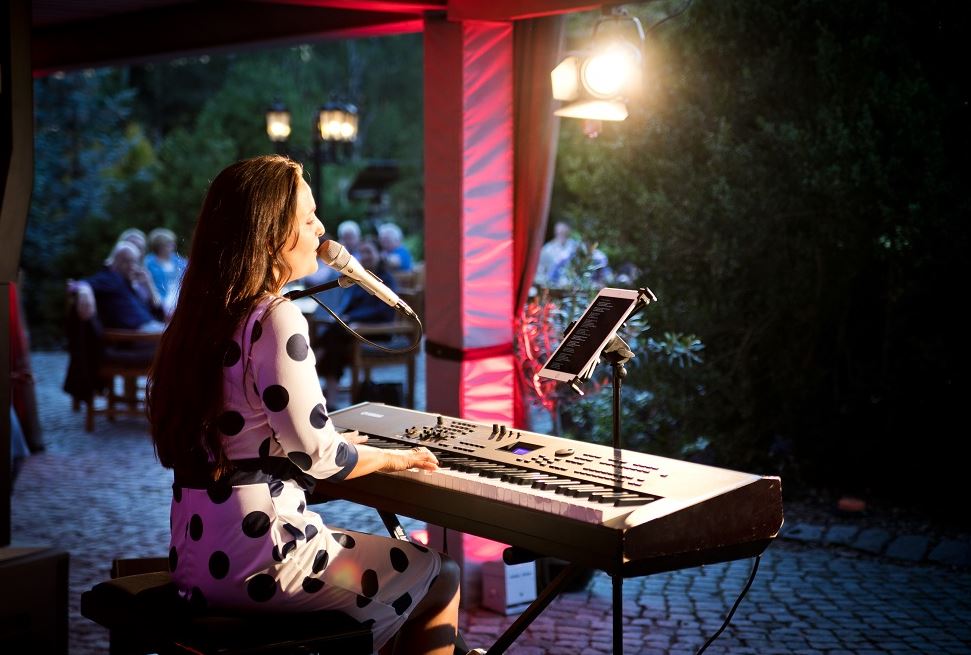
(618, 585)
(530, 613)
(393, 525)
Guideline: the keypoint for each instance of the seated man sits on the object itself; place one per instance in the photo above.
(119, 304)
(356, 306)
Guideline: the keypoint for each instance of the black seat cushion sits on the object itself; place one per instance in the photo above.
(147, 607)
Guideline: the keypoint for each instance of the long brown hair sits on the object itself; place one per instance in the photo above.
(236, 259)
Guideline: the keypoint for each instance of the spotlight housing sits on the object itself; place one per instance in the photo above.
(596, 83)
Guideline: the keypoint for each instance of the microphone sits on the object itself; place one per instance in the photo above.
(336, 256)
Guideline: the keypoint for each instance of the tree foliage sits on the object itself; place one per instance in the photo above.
(792, 190)
(137, 146)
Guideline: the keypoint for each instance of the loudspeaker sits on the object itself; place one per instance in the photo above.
(33, 605)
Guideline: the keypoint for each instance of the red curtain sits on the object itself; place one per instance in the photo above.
(538, 47)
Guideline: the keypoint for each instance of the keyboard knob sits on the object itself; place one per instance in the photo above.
(564, 452)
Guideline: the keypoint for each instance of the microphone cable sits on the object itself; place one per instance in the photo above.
(365, 340)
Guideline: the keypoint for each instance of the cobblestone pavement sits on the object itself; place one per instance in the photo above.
(820, 589)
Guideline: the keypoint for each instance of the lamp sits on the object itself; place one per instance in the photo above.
(278, 122)
(596, 83)
(334, 133)
(337, 122)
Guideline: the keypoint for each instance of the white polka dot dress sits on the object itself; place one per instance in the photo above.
(249, 542)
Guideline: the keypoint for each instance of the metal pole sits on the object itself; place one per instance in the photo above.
(318, 177)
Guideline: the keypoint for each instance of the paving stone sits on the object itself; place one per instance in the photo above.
(840, 535)
(803, 532)
(872, 540)
(911, 547)
(955, 552)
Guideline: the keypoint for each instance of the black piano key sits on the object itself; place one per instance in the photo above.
(633, 499)
(582, 491)
(559, 483)
(606, 497)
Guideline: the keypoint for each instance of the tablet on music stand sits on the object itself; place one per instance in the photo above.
(578, 353)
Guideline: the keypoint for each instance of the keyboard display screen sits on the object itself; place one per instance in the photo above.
(520, 448)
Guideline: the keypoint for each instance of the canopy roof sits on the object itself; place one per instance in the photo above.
(70, 34)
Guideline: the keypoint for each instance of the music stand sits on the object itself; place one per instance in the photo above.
(594, 335)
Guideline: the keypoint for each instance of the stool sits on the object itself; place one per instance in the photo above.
(145, 614)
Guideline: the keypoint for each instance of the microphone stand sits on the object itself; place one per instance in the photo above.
(618, 353)
(303, 293)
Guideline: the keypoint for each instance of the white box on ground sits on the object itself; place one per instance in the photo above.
(508, 588)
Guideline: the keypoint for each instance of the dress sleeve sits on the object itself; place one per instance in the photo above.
(286, 380)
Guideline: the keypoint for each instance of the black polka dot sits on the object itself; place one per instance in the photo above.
(418, 546)
(345, 540)
(276, 487)
(277, 555)
(173, 559)
(399, 561)
(257, 331)
(312, 585)
(265, 448)
(369, 583)
(219, 491)
(177, 493)
(289, 548)
(301, 507)
(320, 561)
(294, 531)
(197, 601)
(310, 531)
(363, 601)
(256, 524)
(275, 398)
(230, 423)
(262, 587)
(342, 454)
(195, 527)
(402, 603)
(232, 354)
(318, 416)
(302, 460)
(297, 347)
(219, 564)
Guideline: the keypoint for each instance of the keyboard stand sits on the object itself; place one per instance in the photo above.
(551, 591)
(545, 597)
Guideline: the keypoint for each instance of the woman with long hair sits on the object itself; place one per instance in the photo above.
(237, 412)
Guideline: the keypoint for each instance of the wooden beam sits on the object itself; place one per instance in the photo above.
(197, 28)
(505, 10)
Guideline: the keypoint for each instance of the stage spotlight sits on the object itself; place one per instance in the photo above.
(597, 83)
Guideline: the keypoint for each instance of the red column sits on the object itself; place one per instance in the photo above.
(468, 219)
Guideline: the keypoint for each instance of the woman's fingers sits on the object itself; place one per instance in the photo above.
(423, 458)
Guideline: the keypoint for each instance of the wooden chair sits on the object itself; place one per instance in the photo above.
(398, 334)
(103, 358)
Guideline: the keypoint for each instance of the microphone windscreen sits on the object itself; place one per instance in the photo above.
(329, 251)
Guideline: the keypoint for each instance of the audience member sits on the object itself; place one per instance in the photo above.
(554, 257)
(349, 236)
(18, 445)
(356, 306)
(165, 265)
(118, 303)
(135, 237)
(393, 251)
